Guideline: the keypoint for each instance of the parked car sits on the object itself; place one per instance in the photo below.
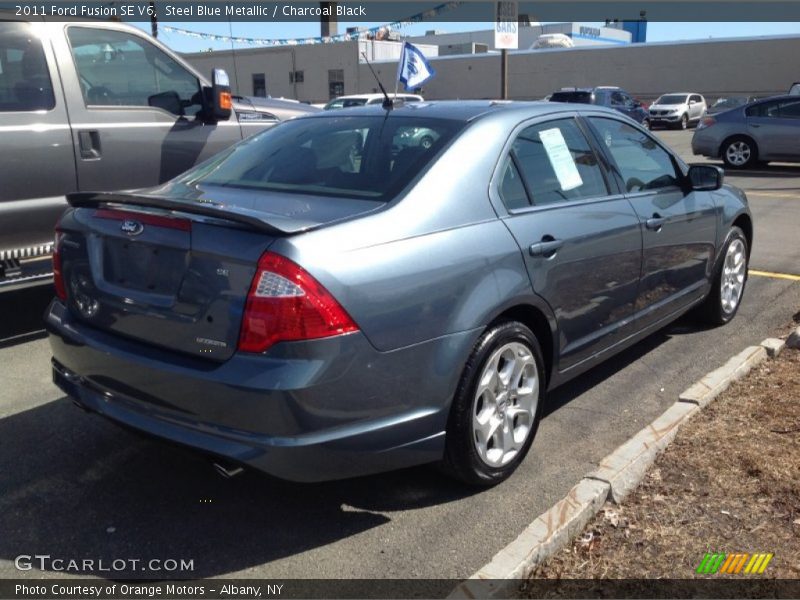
(99, 106)
(288, 308)
(729, 102)
(763, 131)
(368, 99)
(612, 97)
(677, 110)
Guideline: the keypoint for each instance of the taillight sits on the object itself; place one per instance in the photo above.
(286, 303)
(58, 276)
(706, 122)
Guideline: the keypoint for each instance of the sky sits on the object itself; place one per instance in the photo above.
(656, 32)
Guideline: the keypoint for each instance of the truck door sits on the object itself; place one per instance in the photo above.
(37, 164)
(135, 110)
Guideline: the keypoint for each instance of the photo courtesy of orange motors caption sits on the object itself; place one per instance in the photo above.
(399, 299)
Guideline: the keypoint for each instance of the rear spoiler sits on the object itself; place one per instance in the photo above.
(257, 220)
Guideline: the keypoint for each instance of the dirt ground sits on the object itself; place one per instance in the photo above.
(730, 482)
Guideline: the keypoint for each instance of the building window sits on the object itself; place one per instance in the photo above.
(259, 85)
(335, 83)
(296, 77)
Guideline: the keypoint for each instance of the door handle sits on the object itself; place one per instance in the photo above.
(754, 125)
(547, 248)
(655, 222)
(89, 144)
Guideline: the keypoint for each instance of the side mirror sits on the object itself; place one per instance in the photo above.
(221, 100)
(169, 101)
(706, 178)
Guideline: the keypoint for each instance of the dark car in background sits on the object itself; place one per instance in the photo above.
(757, 133)
(611, 97)
(319, 310)
(729, 102)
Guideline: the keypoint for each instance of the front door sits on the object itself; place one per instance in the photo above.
(580, 239)
(679, 229)
(134, 110)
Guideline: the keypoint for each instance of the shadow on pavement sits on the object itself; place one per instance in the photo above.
(67, 477)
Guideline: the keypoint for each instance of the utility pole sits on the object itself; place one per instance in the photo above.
(504, 74)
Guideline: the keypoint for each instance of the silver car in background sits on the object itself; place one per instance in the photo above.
(677, 110)
(760, 132)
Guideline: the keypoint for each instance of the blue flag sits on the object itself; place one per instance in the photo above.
(413, 70)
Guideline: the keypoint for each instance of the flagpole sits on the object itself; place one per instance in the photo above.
(399, 66)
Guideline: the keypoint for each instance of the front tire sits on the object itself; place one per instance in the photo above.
(727, 289)
(684, 122)
(497, 406)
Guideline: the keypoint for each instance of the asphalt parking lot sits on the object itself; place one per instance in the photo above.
(75, 486)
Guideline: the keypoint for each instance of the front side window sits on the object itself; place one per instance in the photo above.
(555, 163)
(641, 162)
(120, 69)
(25, 83)
(351, 157)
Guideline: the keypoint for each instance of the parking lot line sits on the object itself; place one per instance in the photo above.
(788, 276)
(772, 194)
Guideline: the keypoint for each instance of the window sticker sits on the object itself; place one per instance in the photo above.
(561, 159)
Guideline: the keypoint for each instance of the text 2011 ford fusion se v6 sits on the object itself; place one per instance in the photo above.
(323, 301)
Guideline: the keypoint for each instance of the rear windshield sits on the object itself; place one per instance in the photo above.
(671, 99)
(730, 102)
(576, 97)
(354, 157)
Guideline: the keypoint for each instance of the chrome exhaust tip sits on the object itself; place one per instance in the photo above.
(227, 470)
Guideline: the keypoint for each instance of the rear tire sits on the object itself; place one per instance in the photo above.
(727, 289)
(497, 406)
(739, 152)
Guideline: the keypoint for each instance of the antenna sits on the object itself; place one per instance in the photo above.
(233, 55)
(387, 102)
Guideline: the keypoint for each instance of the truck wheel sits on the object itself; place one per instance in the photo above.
(497, 406)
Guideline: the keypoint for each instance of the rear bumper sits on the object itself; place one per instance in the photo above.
(306, 411)
(704, 145)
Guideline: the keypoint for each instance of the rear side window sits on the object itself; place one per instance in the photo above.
(556, 164)
(351, 157)
(642, 163)
(25, 83)
(765, 109)
(785, 109)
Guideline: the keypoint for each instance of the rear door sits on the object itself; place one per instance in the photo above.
(37, 164)
(580, 239)
(679, 229)
(774, 127)
(122, 90)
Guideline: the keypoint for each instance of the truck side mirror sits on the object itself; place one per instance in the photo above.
(221, 101)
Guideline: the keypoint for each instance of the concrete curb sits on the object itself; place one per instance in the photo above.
(616, 476)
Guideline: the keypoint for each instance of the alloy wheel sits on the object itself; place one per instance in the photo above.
(505, 404)
(734, 270)
(738, 153)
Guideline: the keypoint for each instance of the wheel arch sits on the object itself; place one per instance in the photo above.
(541, 324)
(745, 223)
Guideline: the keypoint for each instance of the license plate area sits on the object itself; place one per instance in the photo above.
(143, 267)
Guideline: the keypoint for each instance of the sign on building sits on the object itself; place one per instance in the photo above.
(506, 27)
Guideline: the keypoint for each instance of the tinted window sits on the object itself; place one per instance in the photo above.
(512, 190)
(354, 157)
(557, 163)
(617, 98)
(577, 97)
(24, 79)
(120, 69)
(697, 98)
(642, 163)
(790, 109)
(765, 109)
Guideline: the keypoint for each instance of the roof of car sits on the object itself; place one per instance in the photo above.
(458, 110)
(370, 96)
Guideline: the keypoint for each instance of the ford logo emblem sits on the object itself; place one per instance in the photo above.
(132, 227)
